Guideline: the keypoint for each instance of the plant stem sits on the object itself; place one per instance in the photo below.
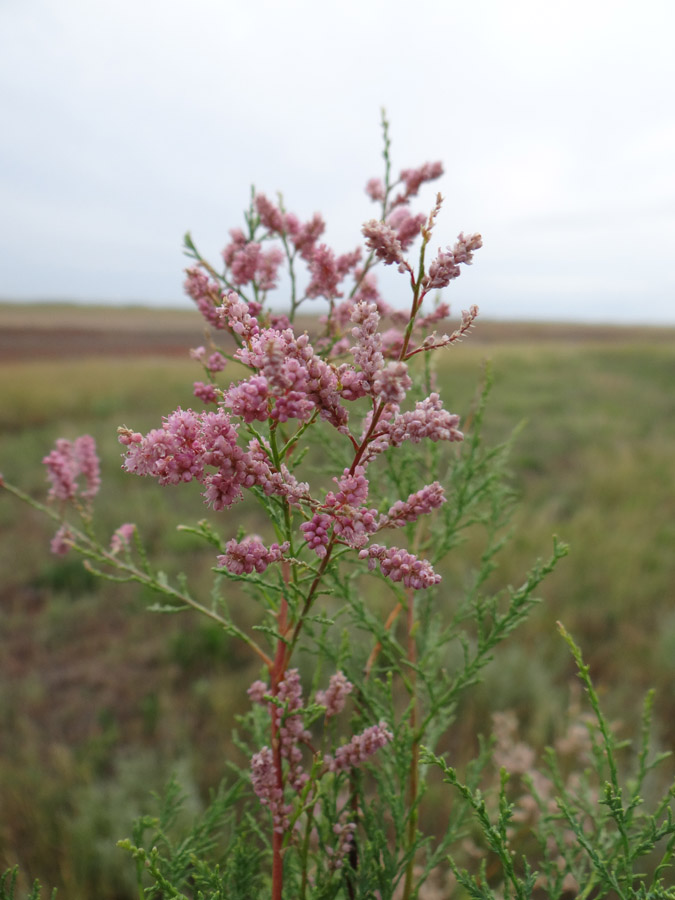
(413, 776)
(277, 671)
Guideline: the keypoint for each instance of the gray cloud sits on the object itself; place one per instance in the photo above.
(126, 124)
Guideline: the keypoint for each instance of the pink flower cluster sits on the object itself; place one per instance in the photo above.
(67, 462)
(344, 832)
(207, 393)
(248, 262)
(292, 732)
(368, 348)
(383, 241)
(418, 504)
(360, 748)
(446, 265)
(352, 489)
(293, 382)
(62, 541)
(413, 179)
(399, 565)
(264, 781)
(215, 362)
(251, 555)
(344, 514)
(206, 294)
(121, 538)
(317, 533)
(428, 420)
(188, 443)
(286, 714)
(335, 696)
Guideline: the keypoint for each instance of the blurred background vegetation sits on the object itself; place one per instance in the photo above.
(100, 700)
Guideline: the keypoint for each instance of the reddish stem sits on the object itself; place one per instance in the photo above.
(413, 786)
(277, 671)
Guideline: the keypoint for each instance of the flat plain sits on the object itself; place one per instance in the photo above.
(100, 700)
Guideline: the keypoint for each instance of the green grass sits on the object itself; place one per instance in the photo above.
(91, 680)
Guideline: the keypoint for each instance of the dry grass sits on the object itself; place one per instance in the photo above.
(90, 680)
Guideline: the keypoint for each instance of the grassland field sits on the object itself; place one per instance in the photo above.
(100, 700)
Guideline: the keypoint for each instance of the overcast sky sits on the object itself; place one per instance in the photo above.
(126, 123)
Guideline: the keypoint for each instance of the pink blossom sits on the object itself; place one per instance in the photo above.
(291, 730)
(216, 362)
(441, 271)
(180, 450)
(245, 263)
(360, 748)
(418, 504)
(270, 215)
(250, 263)
(375, 189)
(383, 241)
(218, 439)
(406, 225)
(67, 462)
(317, 532)
(392, 342)
(257, 691)
(88, 465)
(352, 383)
(207, 393)
(281, 482)
(415, 178)
(172, 454)
(293, 405)
(347, 261)
(344, 831)
(121, 538)
(442, 311)
(322, 387)
(280, 321)
(399, 565)
(367, 290)
(61, 543)
(465, 247)
(368, 348)
(268, 269)
(127, 437)
(324, 274)
(353, 489)
(352, 526)
(62, 470)
(264, 781)
(335, 696)
(291, 224)
(433, 341)
(235, 246)
(221, 490)
(206, 294)
(307, 235)
(266, 345)
(427, 420)
(250, 555)
(239, 315)
(282, 372)
(249, 399)
(392, 382)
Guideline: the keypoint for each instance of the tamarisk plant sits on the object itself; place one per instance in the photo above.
(367, 484)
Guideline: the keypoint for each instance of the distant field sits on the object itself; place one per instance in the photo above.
(99, 699)
(51, 330)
